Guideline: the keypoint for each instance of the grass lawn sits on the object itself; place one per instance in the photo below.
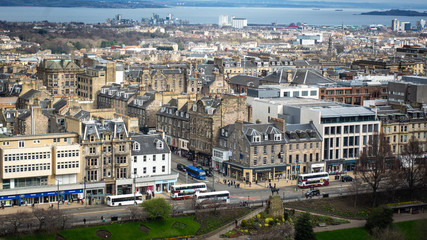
(210, 221)
(410, 229)
(158, 229)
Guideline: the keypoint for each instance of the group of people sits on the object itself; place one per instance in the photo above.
(232, 183)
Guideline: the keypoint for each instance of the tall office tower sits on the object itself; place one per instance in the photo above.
(395, 25)
(223, 20)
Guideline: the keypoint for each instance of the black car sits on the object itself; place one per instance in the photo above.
(181, 167)
(312, 192)
(346, 179)
(208, 173)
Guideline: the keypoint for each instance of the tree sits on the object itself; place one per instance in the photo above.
(137, 213)
(157, 208)
(303, 228)
(355, 188)
(379, 219)
(371, 164)
(13, 222)
(412, 162)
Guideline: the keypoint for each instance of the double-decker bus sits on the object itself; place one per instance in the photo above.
(125, 199)
(196, 173)
(212, 198)
(187, 190)
(313, 180)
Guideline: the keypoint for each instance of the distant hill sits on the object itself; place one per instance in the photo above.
(83, 3)
(397, 12)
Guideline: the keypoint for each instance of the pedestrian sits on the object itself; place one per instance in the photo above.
(153, 194)
(256, 181)
(103, 219)
(84, 220)
(234, 183)
(250, 184)
(82, 201)
(235, 222)
(275, 185)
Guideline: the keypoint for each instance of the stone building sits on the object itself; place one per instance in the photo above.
(117, 97)
(106, 150)
(207, 115)
(32, 122)
(59, 76)
(173, 119)
(90, 82)
(33, 98)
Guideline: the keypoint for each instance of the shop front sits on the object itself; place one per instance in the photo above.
(255, 174)
(41, 197)
(334, 166)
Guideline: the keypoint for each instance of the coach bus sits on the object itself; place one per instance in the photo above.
(125, 199)
(187, 190)
(212, 197)
(196, 173)
(313, 180)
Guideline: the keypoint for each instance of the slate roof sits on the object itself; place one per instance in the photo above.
(59, 105)
(148, 143)
(252, 129)
(82, 114)
(302, 133)
(29, 94)
(245, 80)
(95, 127)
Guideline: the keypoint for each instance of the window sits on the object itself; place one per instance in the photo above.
(154, 158)
(255, 161)
(21, 144)
(37, 141)
(163, 168)
(144, 170)
(145, 158)
(6, 143)
(265, 160)
(135, 171)
(134, 159)
(163, 156)
(290, 158)
(265, 149)
(154, 169)
(272, 159)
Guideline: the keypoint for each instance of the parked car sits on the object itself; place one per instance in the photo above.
(312, 192)
(346, 179)
(208, 173)
(180, 167)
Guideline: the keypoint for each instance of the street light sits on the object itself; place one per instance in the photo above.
(134, 189)
(84, 189)
(248, 201)
(58, 191)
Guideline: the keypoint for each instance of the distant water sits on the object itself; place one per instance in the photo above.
(204, 15)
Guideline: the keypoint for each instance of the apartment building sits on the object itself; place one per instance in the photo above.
(207, 115)
(117, 97)
(106, 147)
(93, 79)
(173, 120)
(59, 76)
(151, 164)
(32, 167)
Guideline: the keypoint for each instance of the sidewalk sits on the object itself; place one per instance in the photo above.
(360, 223)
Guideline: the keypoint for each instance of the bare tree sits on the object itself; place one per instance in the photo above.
(137, 213)
(372, 163)
(14, 222)
(355, 188)
(412, 161)
(41, 215)
(394, 176)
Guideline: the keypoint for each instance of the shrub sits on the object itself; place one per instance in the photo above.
(381, 218)
(157, 208)
(243, 223)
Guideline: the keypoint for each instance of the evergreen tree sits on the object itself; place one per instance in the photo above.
(303, 228)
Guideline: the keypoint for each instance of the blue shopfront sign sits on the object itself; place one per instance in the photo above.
(43, 194)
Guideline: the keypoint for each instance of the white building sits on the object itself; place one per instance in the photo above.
(223, 21)
(309, 39)
(302, 91)
(239, 22)
(151, 164)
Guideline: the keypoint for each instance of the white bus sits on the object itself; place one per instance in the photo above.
(125, 199)
(187, 190)
(313, 180)
(212, 197)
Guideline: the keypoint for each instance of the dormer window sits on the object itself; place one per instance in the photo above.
(136, 146)
(277, 137)
(92, 138)
(266, 137)
(159, 144)
(256, 139)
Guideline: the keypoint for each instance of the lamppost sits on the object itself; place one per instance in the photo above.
(134, 188)
(58, 191)
(248, 201)
(84, 189)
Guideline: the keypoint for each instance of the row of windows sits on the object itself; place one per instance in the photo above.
(65, 165)
(27, 168)
(144, 170)
(68, 153)
(26, 156)
(135, 159)
(305, 145)
(306, 158)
